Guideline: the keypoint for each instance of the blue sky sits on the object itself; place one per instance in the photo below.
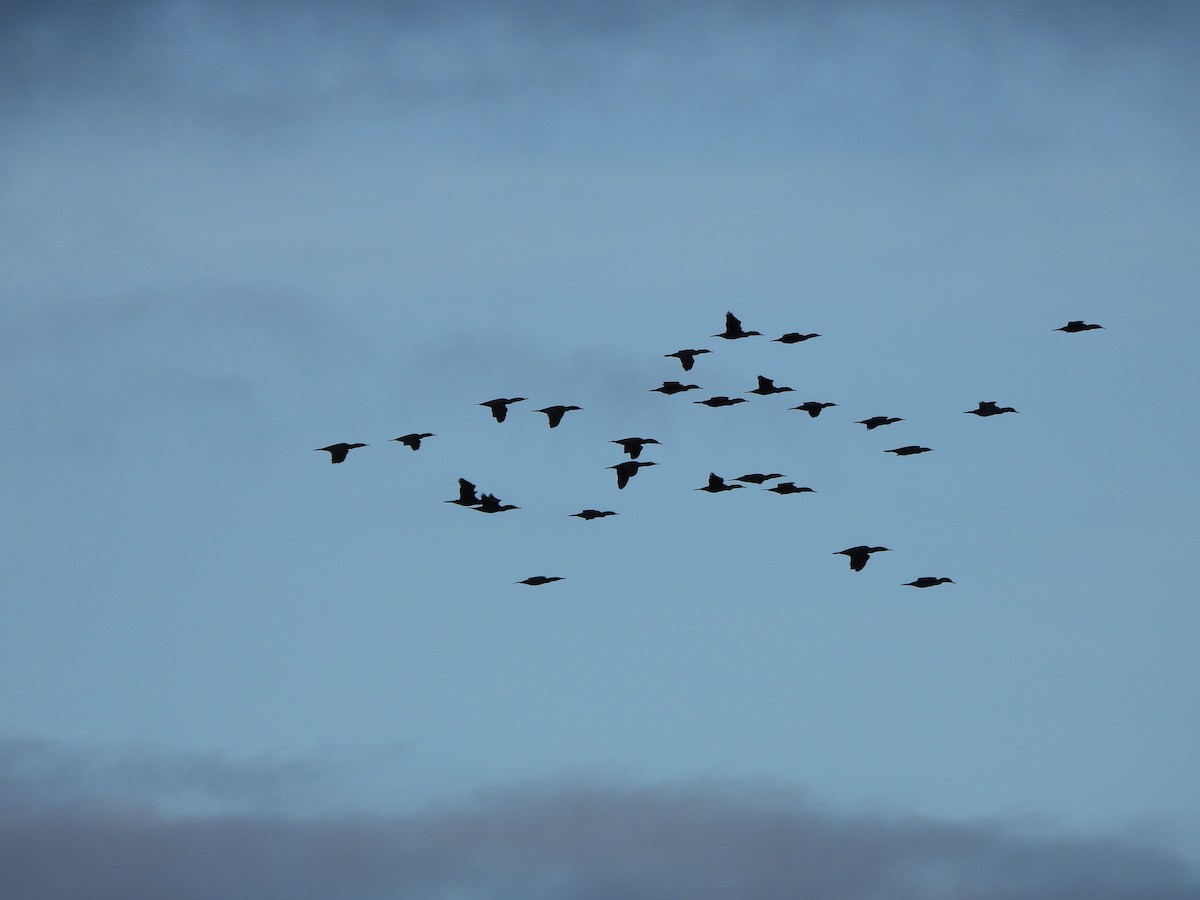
(229, 238)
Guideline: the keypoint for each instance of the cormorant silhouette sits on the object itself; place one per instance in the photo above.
(539, 579)
(733, 329)
(789, 487)
(910, 450)
(499, 406)
(687, 358)
(413, 441)
(627, 470)
(337, 452)
(490, 503)
(758, 478)
(859, 555)
(876, 421)
(813, 408)
(588, 514)
(794, 337)
(674, 387)
(767, 386)
(720, 401)
(716, 484)
(928, 581)
(633, 445)
(989, 408)
(1076, 325)
(466, 494)
(555, 413)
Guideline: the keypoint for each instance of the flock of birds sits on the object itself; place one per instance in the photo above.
(858, 556)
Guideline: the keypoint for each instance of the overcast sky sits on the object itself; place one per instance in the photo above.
(229, 236)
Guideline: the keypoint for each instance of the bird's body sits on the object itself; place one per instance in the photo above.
(499, 406)
(588, 514)
(813, 408)
(794, 337)
(627, 470)
(1077, 325)
(758, 477)
(789, 487)
(859, 555)
(466, 494)
(490, 503)
(989, 408)
(687, 358)
(714, 402)
(910, 450)
(716, 484)
(413, 441)
(876, 421)
(554, 414)
(539, 580)
(337, 452)
(675, 387)
(633, 445)
(767, 386)
(733, 329)
(928, 581)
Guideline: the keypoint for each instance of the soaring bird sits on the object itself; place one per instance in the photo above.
(859, 555)
(633, 445)
(413, 441)
(910, 450)
(499, 406)
(876, 421)
(1077, 325)
(337, 452)
(674, 387)
(989, 408)
(794, 337)
(789, 487)
(539, 579)
(490, 503)
(555, 413)
(466, 494)
(588, 514)
(687, 358)
(627, 470)
(720, 401)
(928, 581)
(758, 477)
(767, 386)
(733, 329)
(813, 408)
(716, 484)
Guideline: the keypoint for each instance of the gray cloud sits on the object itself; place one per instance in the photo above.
(554, 840)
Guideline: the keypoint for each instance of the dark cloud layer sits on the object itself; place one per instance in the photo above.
(547, 841)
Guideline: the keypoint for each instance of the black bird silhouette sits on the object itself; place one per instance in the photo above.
(794, 337)
(499, 406)
(674, 387)
(413, 441)
(928, 581)
(789, 487)
(627, 470)
(490, 503)
(588, 514)
(876, 421)
(466, 494)
(687, 358)
(767, 386)
(733, 329)
(539, 579)
(813, 408)
(337, 452)
(989, 408)
(716, 484)
(859, 555)
(910, 450)
(555, 413)
(1076, 325)
(758, 478)
(720, 401)
(633, 445)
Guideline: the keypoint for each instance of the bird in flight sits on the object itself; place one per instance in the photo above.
(490, 503)
(687, 358)
(758, 477)
(1076, 325)
(989, 408)
(539, 579)
(466, 494)
(876, 421)
(767, 386)
(337, 452)
(627, 470)
(588, 514)
(413, 441)
(633, 445)
(716, 484)
(910, 450)
(813, 408)
(733, 329)
(859, 555)
(499, 406)
(674, 387)
(789, 487)
(794, 337)
(928, 581)
(555, 413)
(720, 401)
